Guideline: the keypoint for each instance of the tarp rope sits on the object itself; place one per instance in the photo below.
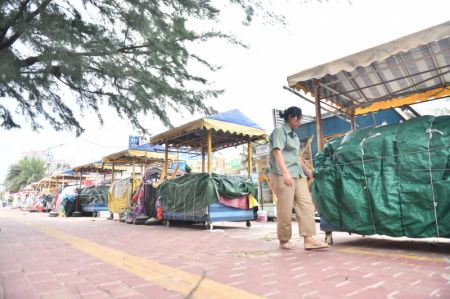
(430, 135)
(366, 187)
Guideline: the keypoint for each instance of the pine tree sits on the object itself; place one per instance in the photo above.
(132, 55)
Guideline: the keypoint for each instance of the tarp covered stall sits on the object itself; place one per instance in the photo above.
(204, 136)
(392, 180)
(94, 198)
(208, 198)
(119, 196)
(402, 72)
(144, 155)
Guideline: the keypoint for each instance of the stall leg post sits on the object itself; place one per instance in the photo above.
(249, 157)
(209, 151)
(203, 160)
(112, 173)
(77, 196)
(166, 160)
(352, 120)
(318, 116)
(320, 143)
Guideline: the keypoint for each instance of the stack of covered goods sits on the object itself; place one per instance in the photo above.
(67, 200)
(144, 199)
(94, 198)
(391, 180)
(119, 197)
(190, 197)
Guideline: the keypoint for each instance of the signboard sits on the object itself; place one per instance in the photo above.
(133, 141)
(235, 163)
(262, 149)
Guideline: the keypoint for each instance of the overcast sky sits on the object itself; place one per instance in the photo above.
(317, 32)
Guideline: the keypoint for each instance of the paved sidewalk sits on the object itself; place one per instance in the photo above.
(43, 257)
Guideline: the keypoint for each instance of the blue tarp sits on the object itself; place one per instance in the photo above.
(235, 117)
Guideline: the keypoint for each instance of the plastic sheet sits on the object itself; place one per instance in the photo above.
(391, 180)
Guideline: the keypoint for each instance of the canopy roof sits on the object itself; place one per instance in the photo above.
(97, 167)
(144, 154)
(229, 128)
(405, 71)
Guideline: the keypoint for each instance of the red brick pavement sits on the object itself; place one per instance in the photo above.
(34, 265)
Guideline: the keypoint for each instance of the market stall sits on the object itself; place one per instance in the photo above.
(94, 198)
(121, 191)
(208, 197)
(406, 71)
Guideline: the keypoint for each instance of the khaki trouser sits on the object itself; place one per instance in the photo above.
(297, 196)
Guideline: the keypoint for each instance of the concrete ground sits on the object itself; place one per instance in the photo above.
(43, 257)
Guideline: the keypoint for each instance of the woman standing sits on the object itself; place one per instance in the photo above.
(287, 177)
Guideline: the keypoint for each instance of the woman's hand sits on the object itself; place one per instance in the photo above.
(288, 181)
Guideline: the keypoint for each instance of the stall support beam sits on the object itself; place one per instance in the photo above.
(203, 160)
(166, 160)
(133, 175)
(209, 151)
(249, 157)
(353, 121)
(318, 116)
(112, 173)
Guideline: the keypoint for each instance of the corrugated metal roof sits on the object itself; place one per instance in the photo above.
(413, 64)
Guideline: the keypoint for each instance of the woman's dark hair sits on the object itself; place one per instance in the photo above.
(290, 113)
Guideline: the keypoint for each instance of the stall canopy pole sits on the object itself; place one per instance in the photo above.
(318, 116)
(249, 157)
(134, 168)
(133, 175)
(352, 120)
(203, 160)
(112, 173)
(166, 160)
(209, 151)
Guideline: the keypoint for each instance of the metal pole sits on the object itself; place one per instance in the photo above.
(77, 201)
(209, 151)
(133, 175)
(166, 160)
(318, 116)
(203, 160)
(249, 157)
(112, 173)
(352, 120)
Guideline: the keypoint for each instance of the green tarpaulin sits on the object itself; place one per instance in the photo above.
(193, 192)
(392, 180)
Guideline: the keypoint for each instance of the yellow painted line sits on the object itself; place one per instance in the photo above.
(398, 255)
(166, 277)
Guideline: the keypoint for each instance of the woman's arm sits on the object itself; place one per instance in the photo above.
(283, 168)
(306, 170)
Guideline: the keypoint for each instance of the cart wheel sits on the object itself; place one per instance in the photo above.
(209, 226)
(329, 238)
(167, 223)
(248, 223)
